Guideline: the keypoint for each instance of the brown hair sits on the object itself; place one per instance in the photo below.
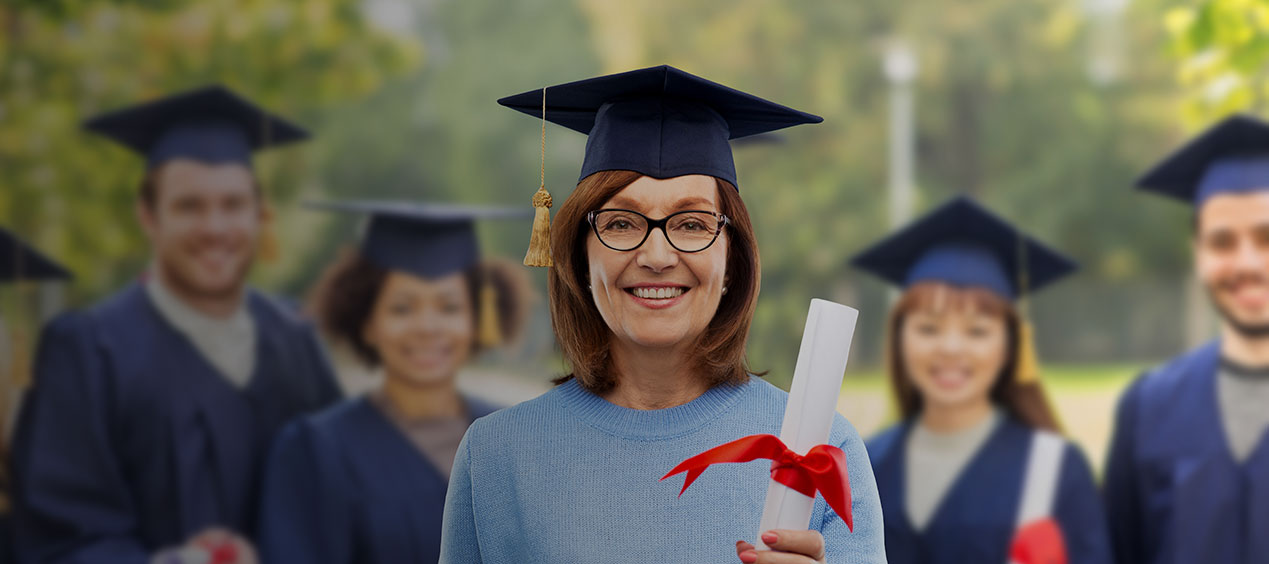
(582, 334)
(344, 298)
(1026, 402)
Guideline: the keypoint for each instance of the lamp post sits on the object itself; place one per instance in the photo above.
(900, 66)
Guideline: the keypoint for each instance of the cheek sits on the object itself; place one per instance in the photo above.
(990, 356)
(915, 349)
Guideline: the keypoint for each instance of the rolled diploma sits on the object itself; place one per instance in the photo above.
(808, 417)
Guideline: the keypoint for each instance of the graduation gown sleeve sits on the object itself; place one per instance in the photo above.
(71, 498)
(304, 516)
(1123, 510)
(1078, 510)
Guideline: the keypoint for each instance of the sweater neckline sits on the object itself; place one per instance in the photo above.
(650, 424)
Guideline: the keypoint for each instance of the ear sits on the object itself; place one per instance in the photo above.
(147, 218)
(368, 336)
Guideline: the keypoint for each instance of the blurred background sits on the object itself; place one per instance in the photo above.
(1044, 110)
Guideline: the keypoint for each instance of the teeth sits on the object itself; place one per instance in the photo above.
(658, 293)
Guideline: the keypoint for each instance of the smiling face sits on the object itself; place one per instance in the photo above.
(656, 296)
(952, 349)
(1231, 250)
(422, 331)
(203, 223)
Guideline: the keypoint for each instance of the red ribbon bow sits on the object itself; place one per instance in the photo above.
(1039, 542)
(822, 469)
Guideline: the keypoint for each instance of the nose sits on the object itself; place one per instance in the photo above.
(951, 342)
(656, 254)
(1249, 257)
(217, 222)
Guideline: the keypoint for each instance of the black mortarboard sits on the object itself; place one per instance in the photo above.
(1230, 157)
(964, 244)
(659, 121)
(211, 125)
(19, 261)
(427, 240)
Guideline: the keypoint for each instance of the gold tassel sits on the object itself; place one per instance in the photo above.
(490, 329)
(540, 241)
(1027, 370)
(269, 248)
(539, 253)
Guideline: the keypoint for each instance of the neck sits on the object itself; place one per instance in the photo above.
(221, 305)
(414, 401)
(1243, 349)
(654, 378)
(955, 417)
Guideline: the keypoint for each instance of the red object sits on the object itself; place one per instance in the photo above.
(1039, 542)
(221, 553)
(822, 469)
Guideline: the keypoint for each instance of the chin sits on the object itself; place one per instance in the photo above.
(429, 378)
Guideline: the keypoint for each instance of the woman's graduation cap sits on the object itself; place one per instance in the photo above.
(660, 122)
(963, 244)
(429, 241)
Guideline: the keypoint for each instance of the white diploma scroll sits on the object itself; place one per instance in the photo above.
(808, 418)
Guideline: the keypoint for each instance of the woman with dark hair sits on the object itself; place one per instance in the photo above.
(364, 481)
(652, 291)
(976, 471)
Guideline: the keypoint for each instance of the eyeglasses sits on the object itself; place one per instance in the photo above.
(689, 231)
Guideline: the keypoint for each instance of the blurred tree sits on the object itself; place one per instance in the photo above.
(1223, 46)
(60, 62)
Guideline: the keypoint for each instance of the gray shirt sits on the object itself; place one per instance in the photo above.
(935, 460)
(1243, 394)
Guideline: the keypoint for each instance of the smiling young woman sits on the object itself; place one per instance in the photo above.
(364, 481)
(956, 474)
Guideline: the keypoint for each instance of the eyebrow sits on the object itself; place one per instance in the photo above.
(694, 202)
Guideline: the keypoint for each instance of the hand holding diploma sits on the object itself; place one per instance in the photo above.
(808, 420)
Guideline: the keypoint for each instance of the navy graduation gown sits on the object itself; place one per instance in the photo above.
(346, 486)
(130, 441)
(1174, 492)
(975, 521)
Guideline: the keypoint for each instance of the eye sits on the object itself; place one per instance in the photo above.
(926, 328)
(694, 223)
(618, 222)
(1221, 241)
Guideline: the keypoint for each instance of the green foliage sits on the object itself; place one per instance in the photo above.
(1015, 105)
(72, 193)
(1223, 46)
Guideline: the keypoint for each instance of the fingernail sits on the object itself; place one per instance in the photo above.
(770, 538)
(749, 557)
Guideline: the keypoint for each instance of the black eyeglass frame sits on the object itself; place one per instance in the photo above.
(723, 221)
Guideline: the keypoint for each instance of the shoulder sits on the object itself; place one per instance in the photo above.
(884, 443)
(322, 433)
(277, 312)
(548, 406)
(1172, 374)
(477, 408)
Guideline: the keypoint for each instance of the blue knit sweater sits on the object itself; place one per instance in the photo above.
(569, 477)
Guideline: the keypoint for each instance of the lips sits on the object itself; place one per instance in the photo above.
(950, 378)
(657, 296)
(658, 293)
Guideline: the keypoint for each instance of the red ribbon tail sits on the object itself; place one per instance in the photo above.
(826, 465)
